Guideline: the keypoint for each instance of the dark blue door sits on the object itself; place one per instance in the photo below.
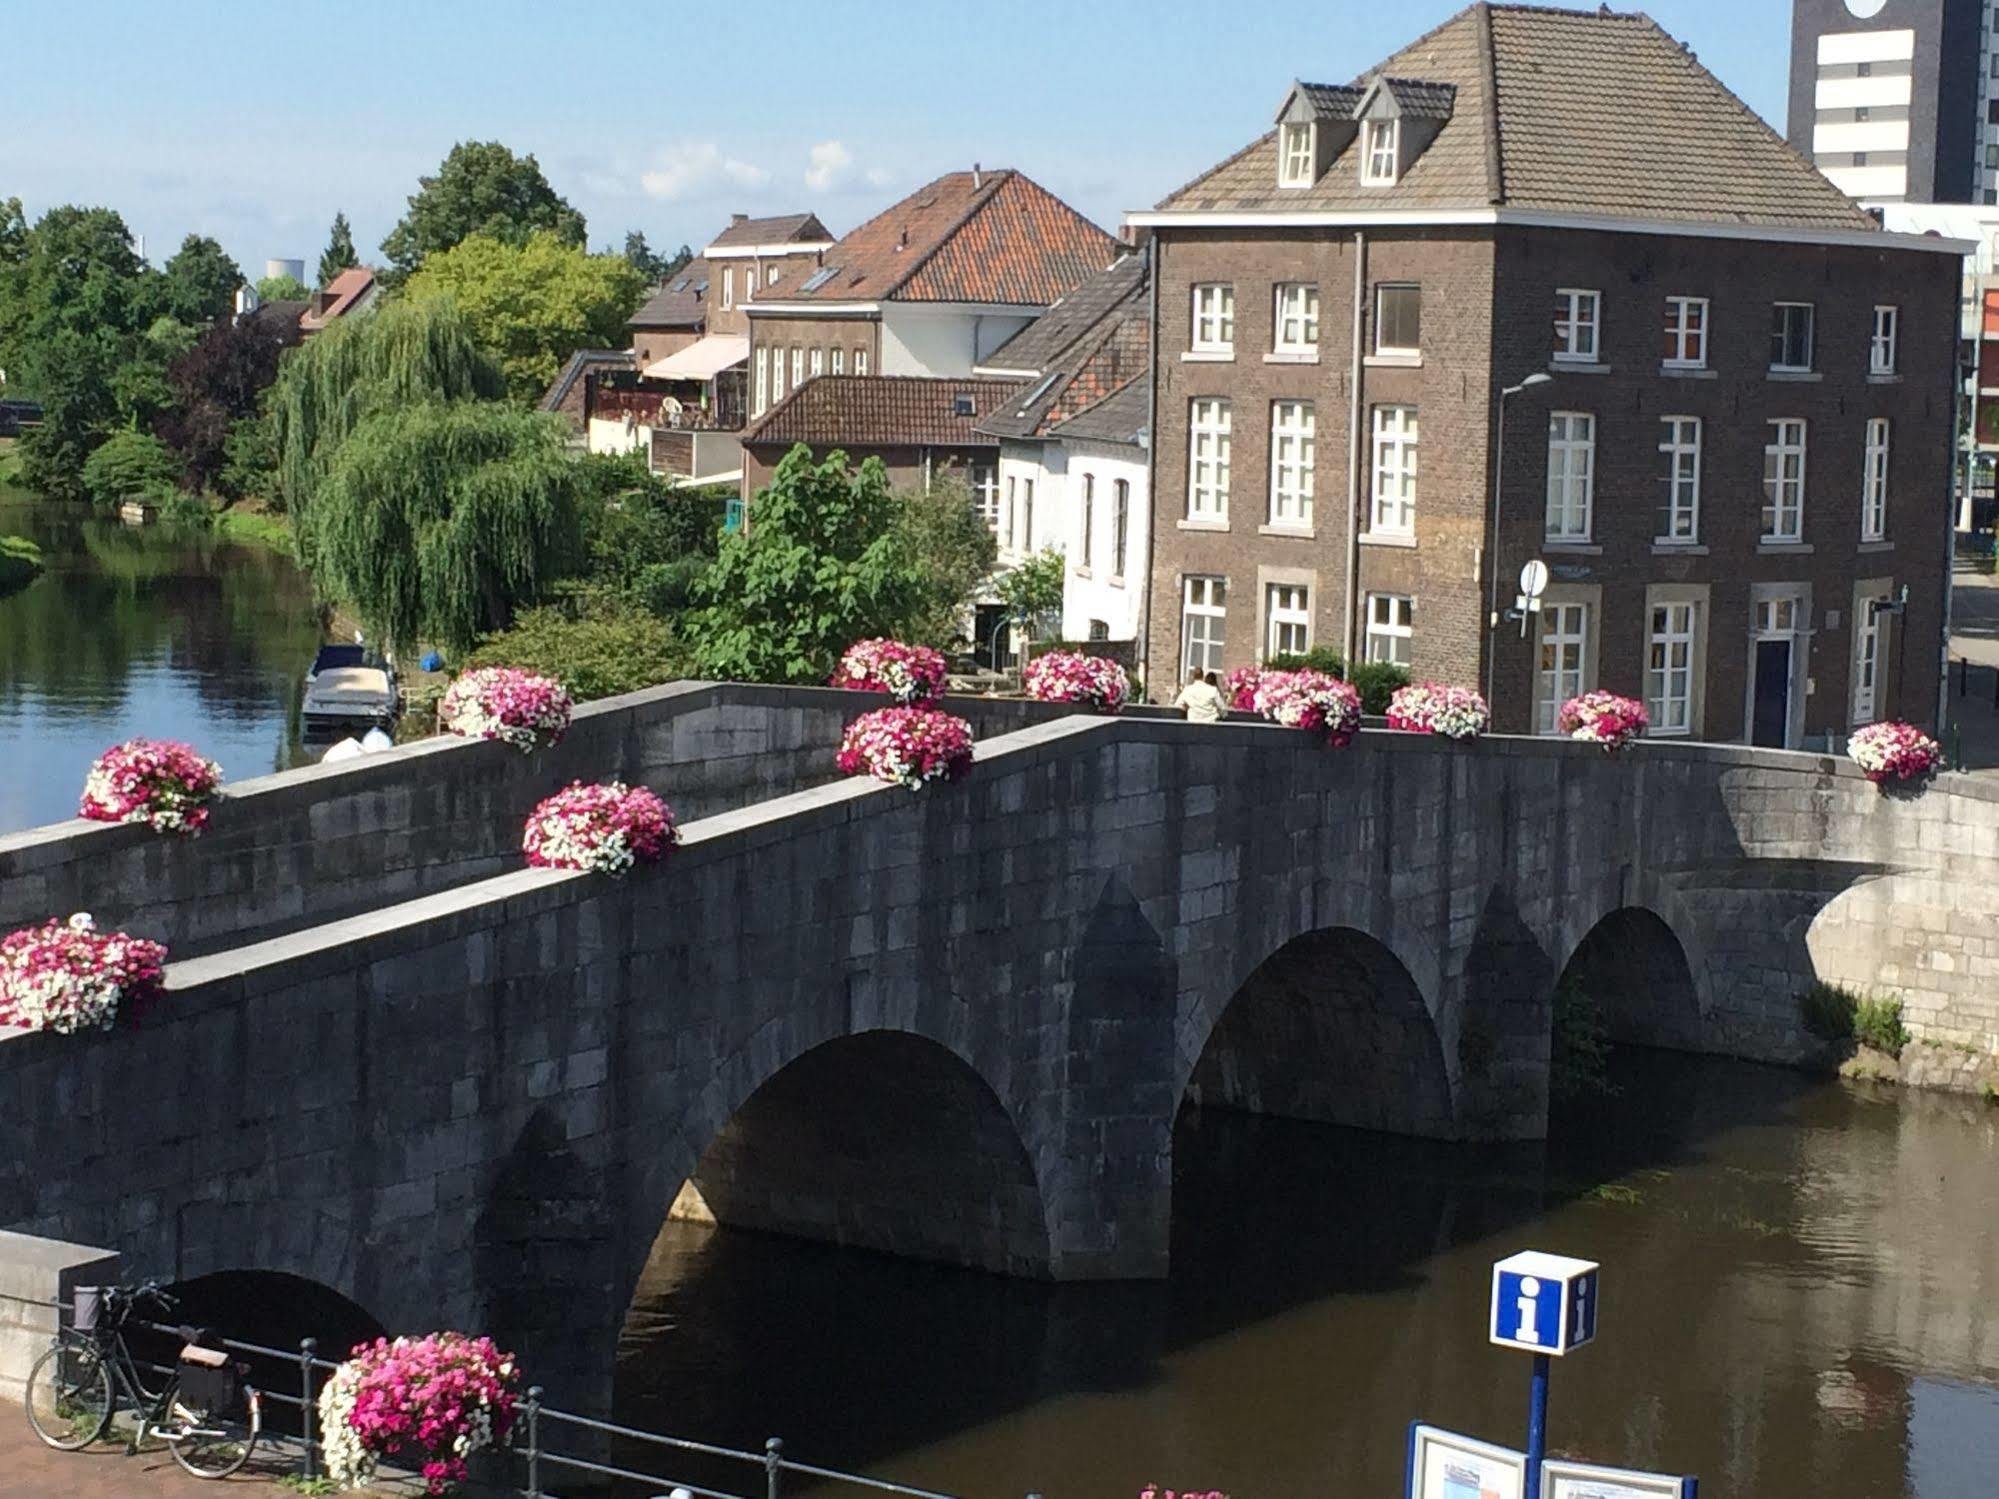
(1771, 720)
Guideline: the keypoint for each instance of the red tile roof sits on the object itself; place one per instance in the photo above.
(337, 297)
(882, 411)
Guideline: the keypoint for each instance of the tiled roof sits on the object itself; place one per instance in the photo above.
(1080, 361)
(881, 411)
(579, 364)
(681, 301)
(788, 228)
(1587, 112)
(337, 297)
(1423, 100)
(1123, 416)
(967, 237)
(1332, 101)
(1037, 345)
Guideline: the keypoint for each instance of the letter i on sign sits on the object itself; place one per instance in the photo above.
(1530, 1291)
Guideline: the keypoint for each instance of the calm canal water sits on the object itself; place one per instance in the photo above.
(1797, 1289)
(143, 630)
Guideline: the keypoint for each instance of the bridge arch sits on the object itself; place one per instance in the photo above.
(1331, 1027)
(1637, 971)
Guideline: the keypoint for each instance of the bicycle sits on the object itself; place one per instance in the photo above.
(205, 1412)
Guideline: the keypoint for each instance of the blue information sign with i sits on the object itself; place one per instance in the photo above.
(1543, 1303)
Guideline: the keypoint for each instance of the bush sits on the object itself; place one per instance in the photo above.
(1579, 1050)
(130, 466)
(1375, 681)
(1828, 1011)
(596, 647)
(1878, 1023)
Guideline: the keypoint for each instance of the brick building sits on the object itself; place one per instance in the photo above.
(1727, 394)
(920, 428)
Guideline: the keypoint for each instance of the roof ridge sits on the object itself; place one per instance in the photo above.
(1380, 69)
(1495, 153)
(982, 198)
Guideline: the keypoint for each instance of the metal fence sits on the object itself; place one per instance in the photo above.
(537, 1422)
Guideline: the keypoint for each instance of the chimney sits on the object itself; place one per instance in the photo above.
(902, 238)
(976, 179)
(739, 218)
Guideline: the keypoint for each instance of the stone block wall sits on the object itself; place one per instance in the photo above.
(33, 1273)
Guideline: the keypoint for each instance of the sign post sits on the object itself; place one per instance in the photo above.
(1543, 1304)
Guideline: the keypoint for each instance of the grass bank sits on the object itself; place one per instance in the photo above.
(10, 460)
(255, 526)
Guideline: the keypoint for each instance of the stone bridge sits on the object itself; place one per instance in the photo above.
(957, 1024)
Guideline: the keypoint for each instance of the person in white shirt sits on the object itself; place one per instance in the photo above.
(1201, 699)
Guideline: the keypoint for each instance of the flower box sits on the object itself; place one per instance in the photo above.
(427, 1403)
(520, 708)
(1436, 708)
(1894, 753)
(907, 673)
(1315, 701)
(161, 782)
(67, 976)
(606, 828)
(1239, 687)
(907, 746)
(1073, 677)
(1603, 718)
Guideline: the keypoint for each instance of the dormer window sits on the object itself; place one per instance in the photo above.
(1294, 165)
(1383, 141)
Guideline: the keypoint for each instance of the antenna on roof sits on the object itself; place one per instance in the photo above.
(975, 177)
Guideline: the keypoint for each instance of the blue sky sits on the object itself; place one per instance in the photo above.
(254, 122)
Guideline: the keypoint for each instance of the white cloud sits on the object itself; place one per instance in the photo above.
(879, 176)
(688, 169)
(828, 166)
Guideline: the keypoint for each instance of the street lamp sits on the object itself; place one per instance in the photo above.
(1498, 471)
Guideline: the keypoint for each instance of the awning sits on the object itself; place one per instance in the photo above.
(703, 359)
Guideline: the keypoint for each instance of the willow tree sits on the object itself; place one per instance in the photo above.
(398, 356)
(439, 520)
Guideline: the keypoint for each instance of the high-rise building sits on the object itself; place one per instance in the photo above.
(1896, 100)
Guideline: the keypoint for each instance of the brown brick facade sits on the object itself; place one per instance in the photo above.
(649, 344)
(1488, 302)
(907, 467)
(781, 333)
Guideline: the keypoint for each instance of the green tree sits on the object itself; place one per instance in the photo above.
(283, 289)
(946, 536)
(13, 278)
(482, 188)
(598, 647)
(1032, 592)
(200, 282)
(532, 305)
(635, 521)
(131, 466)
(400, 355)
(822, 565)
(639, 255)
(438, 520)
(339, 252)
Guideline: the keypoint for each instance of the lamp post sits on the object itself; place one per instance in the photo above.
(1492, 564)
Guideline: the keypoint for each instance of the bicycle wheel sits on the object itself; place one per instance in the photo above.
(69, 1396)
(214, 1444)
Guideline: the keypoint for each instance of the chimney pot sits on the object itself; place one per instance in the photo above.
(739, 218)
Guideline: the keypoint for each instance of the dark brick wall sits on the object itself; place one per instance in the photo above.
(905, 465)
(785, 332)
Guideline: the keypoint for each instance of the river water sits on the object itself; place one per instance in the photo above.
(145, 630)
(1797, 1292)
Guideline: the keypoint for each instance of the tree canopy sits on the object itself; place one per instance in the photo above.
(482, 188)
(200, 282)
(438, 520)
(531, 305)
(283, 289)
(648, 262)
(339, 252)
(952, 544)
(217, 384)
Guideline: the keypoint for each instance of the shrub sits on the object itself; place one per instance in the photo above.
(1878, 1023)
(1828, 1011)
(597, 648)
(130, 466)
(1579, 1050)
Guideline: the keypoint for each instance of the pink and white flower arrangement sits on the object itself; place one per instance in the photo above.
(158, 781)
(429, 1403)
(1437, 708)
(521, 708)
(1074, 677)
(907, 746)
(1603, 718)
(907, 673)
(1239, 687)
(67, 976)
(605, 827)
(1153, 1491)
(1898, 752)
(1316, 701)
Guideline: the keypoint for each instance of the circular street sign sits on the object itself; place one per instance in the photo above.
(1534, 578)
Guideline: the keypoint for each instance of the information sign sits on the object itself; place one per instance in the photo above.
(1543, 1303)
(1566, 1480)
(1445, 1465)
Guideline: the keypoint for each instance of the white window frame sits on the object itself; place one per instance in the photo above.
(797, 367)
(1203, 596)
(1870, 632)
(1120, 525)
(1087, 550)
(1210, 423)
(1564, 630)
(1287, 619)
(1571, 508)
(728, 287)
(776, 376)
(984, 480)
(1783, 516)
(1810, 310)
(818, 362)
(860, 361)
(1578, 325)
(1391, 628)
(1394, 455)
(1381, 152)
(1294, 323)
(839, 359)
(1680, 443)
(1212, 306)
(1686, 331)
(1881, 347)
(763, 381)
(1297, 145)
(1672, 630)
(1293, 452)
(1874, 481)
(1023, 518)
(1382, 347)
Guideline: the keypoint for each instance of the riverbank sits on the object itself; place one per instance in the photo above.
(253, 525)
(1928, 1066)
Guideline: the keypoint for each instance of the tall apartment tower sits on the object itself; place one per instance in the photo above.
(1898, 100)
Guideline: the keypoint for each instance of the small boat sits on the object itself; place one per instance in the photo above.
(138, 513)
(349, 685)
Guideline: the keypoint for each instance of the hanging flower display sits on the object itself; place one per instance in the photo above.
(67, 976)
(1315, 701)
(1239, 687)
(1073, 677)
(161, 782)
(427, 1403)
(605, 827)
(1894, 752)
(907, 746)
(907, 673)
(1435, 708)
(521, 708)
(1603, 718)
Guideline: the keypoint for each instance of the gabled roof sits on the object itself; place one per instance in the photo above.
(1124, 416)
(1593, 112)
(1035, 347)
(1090, 349)
(582, 362)
(680, 301)
(967, 237)
(787, 228)
(337, 298)
(881, 411)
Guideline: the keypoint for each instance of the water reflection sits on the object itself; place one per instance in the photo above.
(143, 630)
(1796, 1277)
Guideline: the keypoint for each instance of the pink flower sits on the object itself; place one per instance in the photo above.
(431, 1401)
(1434, 708)
(1311, 700)
(1603, 718)
(1239, 687)
(520, 708)
(1898, 752)
(1074, 677)
(66, 976)
(158, 781)
(607, 827)
(907, 746)
(907, 673)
